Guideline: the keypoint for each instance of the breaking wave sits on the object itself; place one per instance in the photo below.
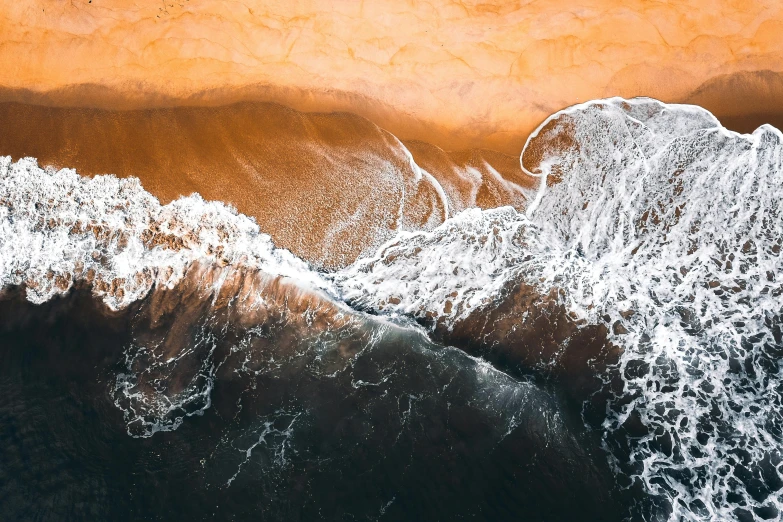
(654, 239)
(660, 223)
(59, 228)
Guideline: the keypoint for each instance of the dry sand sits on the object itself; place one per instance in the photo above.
(459, 74)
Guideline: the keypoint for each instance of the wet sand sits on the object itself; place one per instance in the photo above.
(325, 186)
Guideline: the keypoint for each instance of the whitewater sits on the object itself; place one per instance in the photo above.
(651, 219)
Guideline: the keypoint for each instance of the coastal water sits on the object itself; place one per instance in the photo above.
(376, 424)
(611, 353)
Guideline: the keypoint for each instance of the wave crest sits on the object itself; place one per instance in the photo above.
(657, 222)
(58, 228)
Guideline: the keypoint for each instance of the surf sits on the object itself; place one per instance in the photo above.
(643, 282)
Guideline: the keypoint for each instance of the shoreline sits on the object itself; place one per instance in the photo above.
(742, 101)
(327, 186)
(406, 125)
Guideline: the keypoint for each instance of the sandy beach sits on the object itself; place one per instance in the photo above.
(460, 75)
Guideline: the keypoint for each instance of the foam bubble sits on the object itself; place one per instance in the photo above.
(58, 228)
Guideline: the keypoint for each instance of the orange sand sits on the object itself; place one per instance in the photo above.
(459, 74)
(326, 186)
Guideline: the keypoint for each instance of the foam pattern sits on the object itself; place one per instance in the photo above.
(57, 228)
(679, 221)
(451, 271)
(658, 221)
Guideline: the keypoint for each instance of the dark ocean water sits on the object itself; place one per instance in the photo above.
(405, 430)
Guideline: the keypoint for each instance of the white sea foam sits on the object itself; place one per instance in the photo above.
(657, 210)
(450, 271)
(680, 221)
(57, 227)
